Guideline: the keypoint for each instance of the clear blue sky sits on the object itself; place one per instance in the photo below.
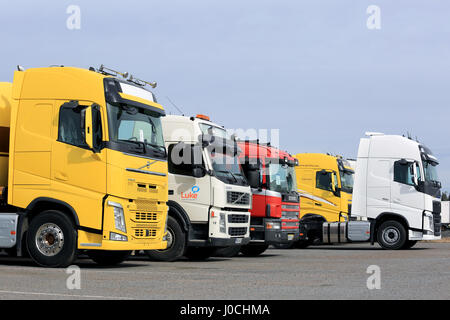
(309, 68)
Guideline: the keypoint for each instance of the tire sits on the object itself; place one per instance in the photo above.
(302, 244)
(52, 239)
(391, 235)
(108, 258)
(253, 250)
(227, 252)
(284, 246)
(409, 244)
(176, 243)
(198, 254)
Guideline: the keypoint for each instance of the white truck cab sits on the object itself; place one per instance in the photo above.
(396, 195)
(209, 197)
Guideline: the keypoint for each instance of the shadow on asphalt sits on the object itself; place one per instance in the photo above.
(344, 248)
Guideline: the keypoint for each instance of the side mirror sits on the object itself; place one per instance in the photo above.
(253, 178)
(86, 126)
(198, 172)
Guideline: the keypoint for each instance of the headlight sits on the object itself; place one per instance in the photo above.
(222, 223)
(119, 217)
(117, 237)
(273, 225)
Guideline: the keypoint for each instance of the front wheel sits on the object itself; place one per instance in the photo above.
(391, 235)
(284, 246)
(108, 258)
(253, 250)
(176, 243)
(52, 239)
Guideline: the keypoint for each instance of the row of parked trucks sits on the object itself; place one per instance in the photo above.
(90, 163)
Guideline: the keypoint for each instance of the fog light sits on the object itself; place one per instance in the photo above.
(117, 237)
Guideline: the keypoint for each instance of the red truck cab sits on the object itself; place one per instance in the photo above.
(275, 201)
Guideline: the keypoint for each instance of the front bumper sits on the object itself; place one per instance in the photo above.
(220, 242)
(262, 234)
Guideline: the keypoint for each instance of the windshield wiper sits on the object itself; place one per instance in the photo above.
(139, 143)
(157, 146)
(223, 171)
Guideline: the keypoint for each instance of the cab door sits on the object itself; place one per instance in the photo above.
(192, 193)
(327, 195)
(79, 173)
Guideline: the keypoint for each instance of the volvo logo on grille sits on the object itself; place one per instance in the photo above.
(147, 165)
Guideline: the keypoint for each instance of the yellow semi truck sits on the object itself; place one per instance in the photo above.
(83, 166)
(325, 185)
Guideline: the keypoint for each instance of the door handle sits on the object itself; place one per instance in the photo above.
(317, 204)
(61, 176)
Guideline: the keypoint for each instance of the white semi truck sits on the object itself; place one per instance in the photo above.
(396, 196)
(209, 197)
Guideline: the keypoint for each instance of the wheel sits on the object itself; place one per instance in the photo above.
(409, 244)
(196, 253)
(391, 235)
(108, 258)
(227, 252)
(302, 244)
(253, 250)
(176, 243)
(52, 239)
(284, 246)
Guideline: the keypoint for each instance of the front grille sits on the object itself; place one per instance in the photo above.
(289, 214)
(146, 205)
(145, 233)
(234, 197)
(146, 216)
(237, 218)
(437, 224)
(234, 232)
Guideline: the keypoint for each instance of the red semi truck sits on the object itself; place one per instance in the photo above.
(275, 201)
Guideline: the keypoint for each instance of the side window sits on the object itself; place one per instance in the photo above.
(183, 168)
(403, 173)
(69, 127)
(323, 180)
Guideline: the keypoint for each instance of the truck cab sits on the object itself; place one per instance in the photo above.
(276, 203)
(396, 196)
(78, 177)
(325, 185)
(209, 197)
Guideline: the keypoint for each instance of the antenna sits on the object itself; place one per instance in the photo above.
(115, 73)
(179, 110)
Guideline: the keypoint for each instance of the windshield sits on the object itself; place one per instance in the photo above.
(346, 180)
(227, 168)
(282, 178)
(430, 171)
(214, 131)
(138, 127)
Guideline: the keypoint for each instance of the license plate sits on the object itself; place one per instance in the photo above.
(290, 236)
(238, 240)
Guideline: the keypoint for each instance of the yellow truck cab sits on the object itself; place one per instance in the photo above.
(325, 185)
(83, 166)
